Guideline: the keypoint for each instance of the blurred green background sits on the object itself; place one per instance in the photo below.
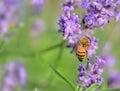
(49, 49)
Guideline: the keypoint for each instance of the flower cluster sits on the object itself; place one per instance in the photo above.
(10, 14)
(91, 73)
(13, 74)
(74, 28)
(98, 14)
(69, 24)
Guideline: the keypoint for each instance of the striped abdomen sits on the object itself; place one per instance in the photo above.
(81, 53)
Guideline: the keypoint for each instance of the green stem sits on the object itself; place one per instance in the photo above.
(15, 52)
(52, 47)
(78, 88)
(66, 80)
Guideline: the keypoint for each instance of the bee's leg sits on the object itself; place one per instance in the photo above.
(87, 56)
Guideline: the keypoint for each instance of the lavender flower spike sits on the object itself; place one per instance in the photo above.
(13, 74)
(89, 75)
(114, 80)
(98, 14)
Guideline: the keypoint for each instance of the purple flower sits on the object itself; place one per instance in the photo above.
(100, 60)
(74, 28)
(85, 4)
(98, 14)
(109, 59)
(114, 80)
(37, 6)
(10, 15)
(35, 2)
(13, 74)
(117, 14)
(69, 25)
(89, 75)
(93, 46)
(37, 28)
(117, 1)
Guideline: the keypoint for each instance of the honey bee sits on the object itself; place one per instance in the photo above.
(81, 50)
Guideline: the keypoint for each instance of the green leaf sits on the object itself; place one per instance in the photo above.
(62, 77)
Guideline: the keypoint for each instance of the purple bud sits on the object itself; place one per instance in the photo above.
(100, 80)
(98, 71)
(81, 68)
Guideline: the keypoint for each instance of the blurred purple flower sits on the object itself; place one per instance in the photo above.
(11, 14)
(13, 74)
(109, 64)
(109, 59)
(114, 80)
(117, 14)
(37, 5)
(35, 2)
(106, 48)
(38, 27)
